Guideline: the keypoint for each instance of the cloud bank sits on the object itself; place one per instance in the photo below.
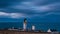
(12, 15)
(30, 8)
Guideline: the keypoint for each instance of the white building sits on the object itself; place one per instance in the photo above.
(33, 27)
(49, 30)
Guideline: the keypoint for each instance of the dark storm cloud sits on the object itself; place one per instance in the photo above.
(6, 3)
(30, 7)
(35, 6)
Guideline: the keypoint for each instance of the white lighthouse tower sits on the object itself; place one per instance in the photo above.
(24, 24)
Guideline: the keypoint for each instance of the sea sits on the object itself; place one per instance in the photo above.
(38, 26)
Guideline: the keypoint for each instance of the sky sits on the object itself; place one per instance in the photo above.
(34, 10)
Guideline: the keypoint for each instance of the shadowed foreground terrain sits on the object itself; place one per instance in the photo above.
(23, 32)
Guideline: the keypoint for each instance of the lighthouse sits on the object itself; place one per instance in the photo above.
(24, 24)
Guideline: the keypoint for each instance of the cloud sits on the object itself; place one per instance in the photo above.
(45, 8)
(4, 14)
(16, 15)
(7, 3)
(12, 15)
(29, 5)
(31, 8)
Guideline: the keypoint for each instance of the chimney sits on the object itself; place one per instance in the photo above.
(24, 24)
